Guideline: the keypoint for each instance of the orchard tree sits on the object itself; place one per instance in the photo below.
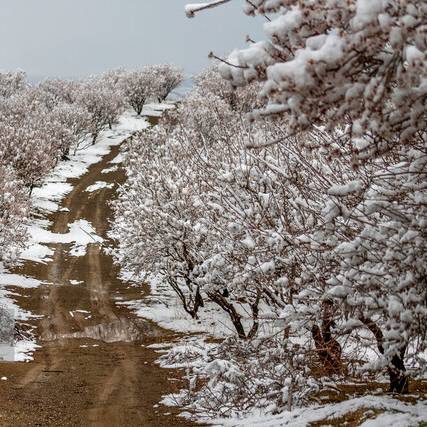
(74, 120)
(138, 87)
(28, 150)
(240, 99)
(53, 92)
(14, 209)
(103, 105)
(166, 78)
(111, 82)
(12, 83)
(162, 201)
(113, 79)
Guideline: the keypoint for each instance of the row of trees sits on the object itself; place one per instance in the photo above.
(154, 81)
(313, 213)
(39, 125)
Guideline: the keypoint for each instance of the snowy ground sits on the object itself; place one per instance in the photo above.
(47, 198)
(392, 413)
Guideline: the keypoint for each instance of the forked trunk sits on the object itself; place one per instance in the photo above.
(229, 308)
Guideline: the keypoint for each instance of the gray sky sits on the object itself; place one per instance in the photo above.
(72, 38)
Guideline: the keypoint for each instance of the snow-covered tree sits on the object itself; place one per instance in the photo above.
(138, 86)
(162, 200)
(113, 78)
(26, 150)
(12, 83)
(166, 78)
(72, 122)
(102, 103)
(14, 209)
(52, 92)
(242, 99)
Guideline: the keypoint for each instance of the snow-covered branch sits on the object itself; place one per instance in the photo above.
(192, 8)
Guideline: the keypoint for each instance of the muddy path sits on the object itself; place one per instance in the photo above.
(93, 367)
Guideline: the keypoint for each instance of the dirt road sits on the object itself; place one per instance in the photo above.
(94, 367)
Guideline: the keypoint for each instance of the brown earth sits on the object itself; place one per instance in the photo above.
(93, 367)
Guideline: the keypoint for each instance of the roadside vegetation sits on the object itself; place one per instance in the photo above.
(287, 194)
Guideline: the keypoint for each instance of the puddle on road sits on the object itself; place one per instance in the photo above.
(122, 330)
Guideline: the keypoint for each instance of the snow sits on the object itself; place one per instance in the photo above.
(81, 233)
(396, 414)
(118, 159)
(7, 302)
(344, 190)
(8, 279)
(23, 349)
(339, 291)
(413, 54)
(367, 11)
(109, 170)
(45, 197)
(78, 251)
(161, 345)
(284, 23)
(328, 49)
(192, 8)
(99, 185)
(37, 253)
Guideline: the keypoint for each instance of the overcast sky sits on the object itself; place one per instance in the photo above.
(73, 38)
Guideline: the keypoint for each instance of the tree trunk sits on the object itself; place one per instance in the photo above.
(255, 313)
(230, 309)
(193, 309)
(140, 107)
(328, 349)
(65, 155)
(399, 382)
